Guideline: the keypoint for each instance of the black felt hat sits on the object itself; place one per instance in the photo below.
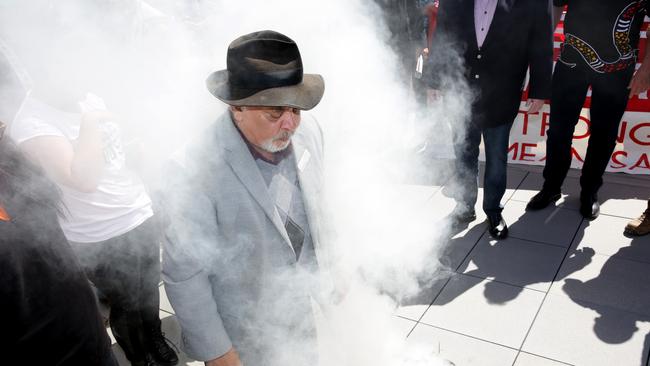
(265, 69)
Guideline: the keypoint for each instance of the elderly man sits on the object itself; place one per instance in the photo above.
(242, 253)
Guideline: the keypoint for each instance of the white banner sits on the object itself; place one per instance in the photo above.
(632, 153)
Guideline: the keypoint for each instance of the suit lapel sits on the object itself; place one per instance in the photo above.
(470, 24)
(306, 178)
(243, 164)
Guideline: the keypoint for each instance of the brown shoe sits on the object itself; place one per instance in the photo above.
(640, 225)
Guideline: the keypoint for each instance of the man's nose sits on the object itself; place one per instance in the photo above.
(290, 120)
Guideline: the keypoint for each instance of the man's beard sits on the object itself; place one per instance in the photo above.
(271, 145)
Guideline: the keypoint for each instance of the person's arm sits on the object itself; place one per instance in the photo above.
(443, 57)
(641, 80)
(540, 58)
(78, 167)
(191, 239)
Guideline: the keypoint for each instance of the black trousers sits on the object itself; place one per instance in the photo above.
(126, 271)
(608, 102)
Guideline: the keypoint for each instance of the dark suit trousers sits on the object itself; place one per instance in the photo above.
(608, 102)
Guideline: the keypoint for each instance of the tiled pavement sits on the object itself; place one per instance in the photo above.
(560, 291)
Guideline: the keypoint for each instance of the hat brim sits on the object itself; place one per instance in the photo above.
(305, 95)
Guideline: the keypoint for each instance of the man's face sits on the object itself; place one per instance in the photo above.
(267, 128)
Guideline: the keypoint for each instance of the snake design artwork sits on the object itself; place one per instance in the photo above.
(621, 38)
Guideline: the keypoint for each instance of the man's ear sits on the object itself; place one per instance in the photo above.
(236, 111)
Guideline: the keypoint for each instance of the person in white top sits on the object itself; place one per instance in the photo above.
(108, 216)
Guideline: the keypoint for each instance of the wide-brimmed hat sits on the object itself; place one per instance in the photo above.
(265, 69)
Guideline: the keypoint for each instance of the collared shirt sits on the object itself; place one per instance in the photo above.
(281, 177)
(483, 14)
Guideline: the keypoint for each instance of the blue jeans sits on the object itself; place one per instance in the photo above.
(496, 156)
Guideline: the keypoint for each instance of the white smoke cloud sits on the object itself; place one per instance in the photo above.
(158, 53)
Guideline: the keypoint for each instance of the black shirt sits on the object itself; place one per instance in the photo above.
(602, 36)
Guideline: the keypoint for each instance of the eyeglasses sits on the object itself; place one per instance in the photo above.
(275, 113)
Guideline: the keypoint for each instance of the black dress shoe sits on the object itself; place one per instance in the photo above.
(157, 344)
(148, 361)
(497, 226)
(589, 207)
(542, 199)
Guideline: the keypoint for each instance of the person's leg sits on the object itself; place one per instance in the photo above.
(109, 267)
(466, 147)
(569, 93)
(496, 163)
(608, 102)
(144, 242)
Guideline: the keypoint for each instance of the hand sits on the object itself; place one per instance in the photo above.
(230, 358)
(534, 105)
(641, 81)
(425, 52)
(433, 96)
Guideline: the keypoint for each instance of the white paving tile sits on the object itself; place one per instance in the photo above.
(623, 200)
(552, 225)
(403, 326)
(484, 309)
(605, 236)
(460, 349)
(607, 281)
(456, 243)
(413, 308)
(578, 335)
(514, 261)
(526, 359)
(533, 184)
(164, 301)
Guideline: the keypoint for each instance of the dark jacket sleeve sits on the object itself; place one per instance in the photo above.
(540, 50)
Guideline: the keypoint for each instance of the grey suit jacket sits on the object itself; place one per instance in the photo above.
(229, 269)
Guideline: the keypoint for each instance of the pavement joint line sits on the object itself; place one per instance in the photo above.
(434, 300)
(544, 357)
(647, 361)
(165, 311)
(415, 324)
(501, 282)
(469, 336)
(539, 308)
(449, 279)
(562, 206)
(540, 242)
(518, 186)
(624, 259)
